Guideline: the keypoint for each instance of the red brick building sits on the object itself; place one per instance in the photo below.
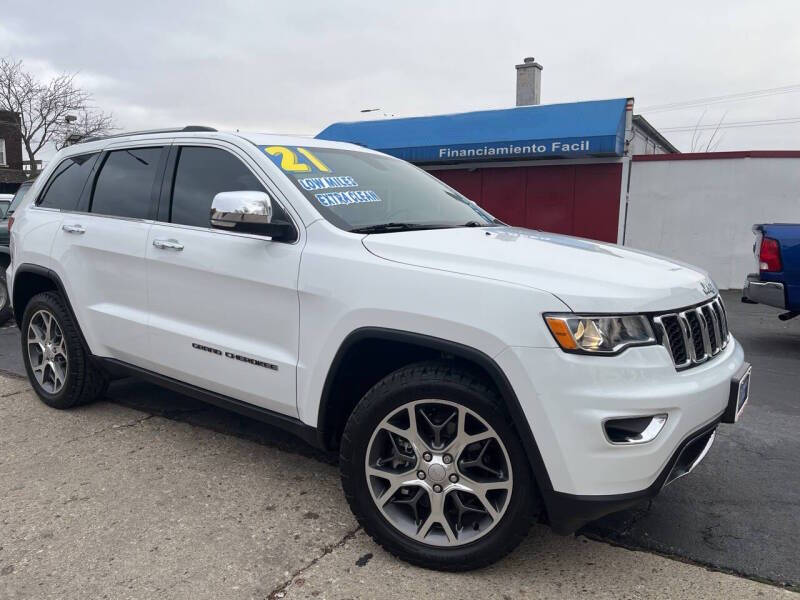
(11, 173)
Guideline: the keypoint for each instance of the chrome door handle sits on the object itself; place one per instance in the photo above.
(73, 228)
(169, 244)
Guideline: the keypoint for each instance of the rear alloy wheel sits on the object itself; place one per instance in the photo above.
(439, 473)
(47, 351)
(59, 368)
(434, 471)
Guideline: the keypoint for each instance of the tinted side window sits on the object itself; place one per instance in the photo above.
(65, 186)
(23, 189)
(125, 184)
(200, 174)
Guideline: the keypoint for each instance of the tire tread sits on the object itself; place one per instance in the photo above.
(5, 310)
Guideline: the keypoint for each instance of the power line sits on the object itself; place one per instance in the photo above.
(728, 97)
(734, 124)
(751, 95)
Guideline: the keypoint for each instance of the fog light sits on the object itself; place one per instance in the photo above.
(634, 430)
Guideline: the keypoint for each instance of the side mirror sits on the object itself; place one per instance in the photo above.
(249, 212)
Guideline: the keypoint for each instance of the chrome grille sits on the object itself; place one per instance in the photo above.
(694, 335)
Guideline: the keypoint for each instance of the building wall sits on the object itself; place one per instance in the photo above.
(9, 131)
(700, 208)
(641, 143)
(575, 199)
(646, 139)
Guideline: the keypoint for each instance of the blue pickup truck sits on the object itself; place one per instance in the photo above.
(777, 282)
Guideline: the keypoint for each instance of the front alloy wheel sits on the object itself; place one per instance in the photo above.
(439, 473)
(433, 468)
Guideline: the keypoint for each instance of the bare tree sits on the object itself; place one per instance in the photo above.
(709, 147)
(44, 106)
(696, 133)
(697, 136)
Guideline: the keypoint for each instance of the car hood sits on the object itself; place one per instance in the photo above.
(588, 276)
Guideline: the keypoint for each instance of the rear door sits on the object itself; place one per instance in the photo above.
(224, 310)
(100, 250)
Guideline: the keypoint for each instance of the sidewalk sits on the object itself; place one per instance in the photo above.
(109, 501)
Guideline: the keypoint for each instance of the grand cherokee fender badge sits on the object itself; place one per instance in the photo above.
(232, 355)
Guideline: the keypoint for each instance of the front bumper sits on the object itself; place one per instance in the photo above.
(770, 293)
(566, 399)
(569, 512)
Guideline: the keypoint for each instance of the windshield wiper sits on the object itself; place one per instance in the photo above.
(389, 227)
(493, 223)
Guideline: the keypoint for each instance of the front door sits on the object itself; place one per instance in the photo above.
(224, 310)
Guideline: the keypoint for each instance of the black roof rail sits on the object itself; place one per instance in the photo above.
(187, 128)
(198, 128)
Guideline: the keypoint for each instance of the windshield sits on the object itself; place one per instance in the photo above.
(18, 197)
(4, 208)
(359, 191)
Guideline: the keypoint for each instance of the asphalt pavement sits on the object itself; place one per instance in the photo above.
(738, 512)
(740, 509)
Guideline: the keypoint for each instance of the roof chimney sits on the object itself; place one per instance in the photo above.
(529, 82)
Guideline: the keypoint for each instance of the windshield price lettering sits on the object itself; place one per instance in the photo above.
(286, 158)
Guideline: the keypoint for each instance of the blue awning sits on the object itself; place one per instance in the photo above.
(594, 128)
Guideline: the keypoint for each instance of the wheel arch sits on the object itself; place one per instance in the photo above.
(328, 416)
(5, 257)
(31, 279)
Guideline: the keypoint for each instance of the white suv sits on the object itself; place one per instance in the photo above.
(473, 376)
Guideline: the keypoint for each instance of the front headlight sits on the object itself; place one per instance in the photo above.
(600, 334)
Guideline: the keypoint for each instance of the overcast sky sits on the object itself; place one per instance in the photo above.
(295, 67)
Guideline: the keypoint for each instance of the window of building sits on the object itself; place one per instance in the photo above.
(65, 186)
(200, 174)
(2, 152)
(124, 187)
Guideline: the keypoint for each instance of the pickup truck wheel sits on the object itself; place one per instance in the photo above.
(434, 471)
(5, 301)
(59, 368)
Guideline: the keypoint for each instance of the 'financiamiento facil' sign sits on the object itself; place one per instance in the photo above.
(566, 147)
(506, 150)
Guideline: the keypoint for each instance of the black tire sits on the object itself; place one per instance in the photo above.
(444, 381)
(84, 382)
(5, 301)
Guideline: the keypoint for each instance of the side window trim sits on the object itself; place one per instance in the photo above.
(164, 204)
(88, 188)
(155, 192)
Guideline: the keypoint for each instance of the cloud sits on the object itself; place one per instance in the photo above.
(296, 67)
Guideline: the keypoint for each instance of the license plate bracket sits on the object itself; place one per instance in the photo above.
(739, 395)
